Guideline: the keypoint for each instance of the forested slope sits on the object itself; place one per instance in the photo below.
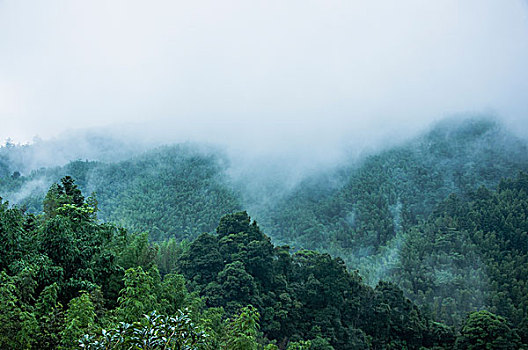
(354, 211)
(471, 253)
(387, 193)
(68, 280)
(172, 192)
(443, 217)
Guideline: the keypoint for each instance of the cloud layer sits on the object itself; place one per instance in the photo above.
(259, 74)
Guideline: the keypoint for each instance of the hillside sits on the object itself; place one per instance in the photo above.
(356, 211)
(359, 211)
(172, 192)
(471, 254)
(68, 280)
(443, 217)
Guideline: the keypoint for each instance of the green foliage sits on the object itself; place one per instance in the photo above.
(76, 245)
(138, 252)
(136, 298)
(80, 318)
(51, 258)
(172, 192)
(245, 293)
(238, 287)
(51, 318)
(471, 254)
(11, 235)
(17, 322)
(361, 211)
(316, 344)
(214, 325)
(66, 199)
(299, 345)
(392, 216)
(202, 261)
(174, 295)
(242, 330)
(303, 296)
(484, 330)
(152, 332)
(167, 257)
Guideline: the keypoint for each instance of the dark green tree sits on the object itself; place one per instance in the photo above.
(484, 330)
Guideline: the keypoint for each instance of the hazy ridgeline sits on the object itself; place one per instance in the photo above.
(168, 129)
(366, 207)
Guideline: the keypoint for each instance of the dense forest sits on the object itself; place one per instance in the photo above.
(420, 246)
(71, 282)
(362, 216)
(171, 192)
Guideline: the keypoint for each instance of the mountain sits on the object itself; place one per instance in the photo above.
(443, 216)
(360, 211)
(355, 210)
(67, 279)
(471, 253)
(172, 192)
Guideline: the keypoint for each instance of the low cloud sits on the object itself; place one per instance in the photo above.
(291, 78)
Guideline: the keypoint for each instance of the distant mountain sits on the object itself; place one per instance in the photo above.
(177, 191)
(359, 211)
(470, 254)
(444, 215)
(93, 144)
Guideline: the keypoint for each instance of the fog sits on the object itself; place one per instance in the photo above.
(302, 79)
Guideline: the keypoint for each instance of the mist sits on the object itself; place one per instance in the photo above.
(308, 81)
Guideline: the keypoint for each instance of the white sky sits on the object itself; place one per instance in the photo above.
(261, 73)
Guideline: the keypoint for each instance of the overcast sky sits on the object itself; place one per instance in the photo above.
(261, 73)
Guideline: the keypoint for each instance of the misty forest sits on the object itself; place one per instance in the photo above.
(264, 175)
(421, 245)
